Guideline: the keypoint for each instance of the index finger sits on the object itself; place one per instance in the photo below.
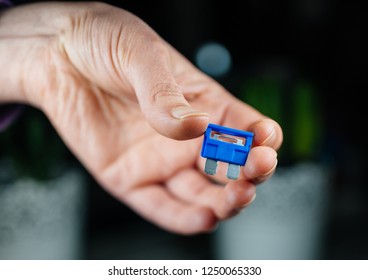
(267, 132)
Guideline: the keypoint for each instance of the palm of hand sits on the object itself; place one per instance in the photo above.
(131, 160)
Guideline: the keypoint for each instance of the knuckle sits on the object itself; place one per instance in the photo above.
(165, 90)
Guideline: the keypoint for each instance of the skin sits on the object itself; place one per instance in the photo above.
(133, 110)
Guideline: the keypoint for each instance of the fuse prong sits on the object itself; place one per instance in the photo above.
(233, 171)
(210, 166)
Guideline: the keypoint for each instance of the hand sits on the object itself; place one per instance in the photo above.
(131, 108)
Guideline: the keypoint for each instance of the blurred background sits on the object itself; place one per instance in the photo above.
(300, 62)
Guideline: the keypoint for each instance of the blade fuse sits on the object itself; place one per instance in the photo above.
(228, 145)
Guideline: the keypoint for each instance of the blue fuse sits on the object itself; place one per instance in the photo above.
(226, 144)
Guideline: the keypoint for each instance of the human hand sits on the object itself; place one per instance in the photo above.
(131, 108)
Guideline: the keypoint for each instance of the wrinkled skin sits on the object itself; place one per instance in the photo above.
(132, 109)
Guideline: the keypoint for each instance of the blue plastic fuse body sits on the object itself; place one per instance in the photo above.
(227, 145)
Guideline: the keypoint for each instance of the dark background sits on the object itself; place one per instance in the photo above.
(318, 41)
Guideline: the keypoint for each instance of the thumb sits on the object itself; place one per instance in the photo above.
(161, 99)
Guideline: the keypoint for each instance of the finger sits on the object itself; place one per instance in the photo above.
(155, 204)
(225, 201)
(267, 132)
(160, 97)
(261, 164)
(229, 111)
(125, 57)
(139, 165)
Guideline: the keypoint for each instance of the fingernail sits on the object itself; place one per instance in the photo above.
(270, 139)
(269, 130)
(212, 230)
(183, 112)
(249, 202)
(264, 177)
